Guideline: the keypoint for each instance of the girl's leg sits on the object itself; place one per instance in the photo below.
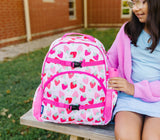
(128, 126)
(151, 129)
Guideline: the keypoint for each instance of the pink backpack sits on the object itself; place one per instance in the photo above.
(73, 85)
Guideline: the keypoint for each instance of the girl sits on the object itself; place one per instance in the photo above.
(136, 54)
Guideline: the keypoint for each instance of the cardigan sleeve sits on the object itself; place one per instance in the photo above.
(112, 55)
(147, 91)
(113, 52)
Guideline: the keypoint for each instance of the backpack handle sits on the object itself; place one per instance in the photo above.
(84, 35)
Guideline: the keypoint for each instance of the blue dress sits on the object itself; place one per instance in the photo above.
(145, 66)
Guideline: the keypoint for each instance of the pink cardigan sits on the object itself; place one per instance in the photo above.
(119, 56)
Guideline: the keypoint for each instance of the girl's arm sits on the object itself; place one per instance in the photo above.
(147, 91)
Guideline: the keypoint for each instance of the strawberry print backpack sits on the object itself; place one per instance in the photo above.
(73, 85)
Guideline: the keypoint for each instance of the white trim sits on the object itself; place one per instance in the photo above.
(12, 39)
(57, 30)
(85, 14)
(122, 8)
(51, 1)
(106, 25)
(40, 33)
(74, 17)
(27, 20)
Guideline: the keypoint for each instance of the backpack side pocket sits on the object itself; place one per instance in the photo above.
(111, 96)
(37, 102)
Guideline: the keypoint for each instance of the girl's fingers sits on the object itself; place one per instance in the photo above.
(121, 84)
(116, 83)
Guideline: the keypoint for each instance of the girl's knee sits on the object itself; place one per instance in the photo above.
(150, 136)
(151, 129)
(128, 126)
(122, 134)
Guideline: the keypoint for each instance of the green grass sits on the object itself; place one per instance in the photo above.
(19, 79)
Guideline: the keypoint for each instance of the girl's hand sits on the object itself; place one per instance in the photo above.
(121, 84)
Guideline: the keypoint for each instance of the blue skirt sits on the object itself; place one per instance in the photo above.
(129, 103)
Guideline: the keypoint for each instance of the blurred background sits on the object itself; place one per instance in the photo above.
(25, 23)
(26, 20)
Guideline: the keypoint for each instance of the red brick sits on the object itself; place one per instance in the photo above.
(49, 16)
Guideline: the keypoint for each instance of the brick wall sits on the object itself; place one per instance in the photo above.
(105, 13)
(45, 19)
(50, 18)
(12, 24)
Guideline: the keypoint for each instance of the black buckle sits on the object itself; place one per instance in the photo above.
(75, 64)
(74, 107)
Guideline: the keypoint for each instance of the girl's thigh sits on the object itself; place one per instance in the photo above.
(151, 129)
(128, 126)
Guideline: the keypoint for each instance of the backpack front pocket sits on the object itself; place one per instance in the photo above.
(74, 97)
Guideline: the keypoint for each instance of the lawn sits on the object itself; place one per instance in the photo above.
(19, 79)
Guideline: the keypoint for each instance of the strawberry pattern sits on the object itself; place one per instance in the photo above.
(64, 85)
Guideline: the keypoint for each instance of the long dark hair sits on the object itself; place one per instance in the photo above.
(133, 28)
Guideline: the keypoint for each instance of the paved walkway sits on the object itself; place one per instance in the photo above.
(8, 53)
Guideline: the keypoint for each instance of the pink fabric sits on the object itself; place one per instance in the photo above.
(51, 51)
(69, 63)
(119, 56)
(37, 103)
(108, 107)
(63, 105)
(79, 72)
(84, 35)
